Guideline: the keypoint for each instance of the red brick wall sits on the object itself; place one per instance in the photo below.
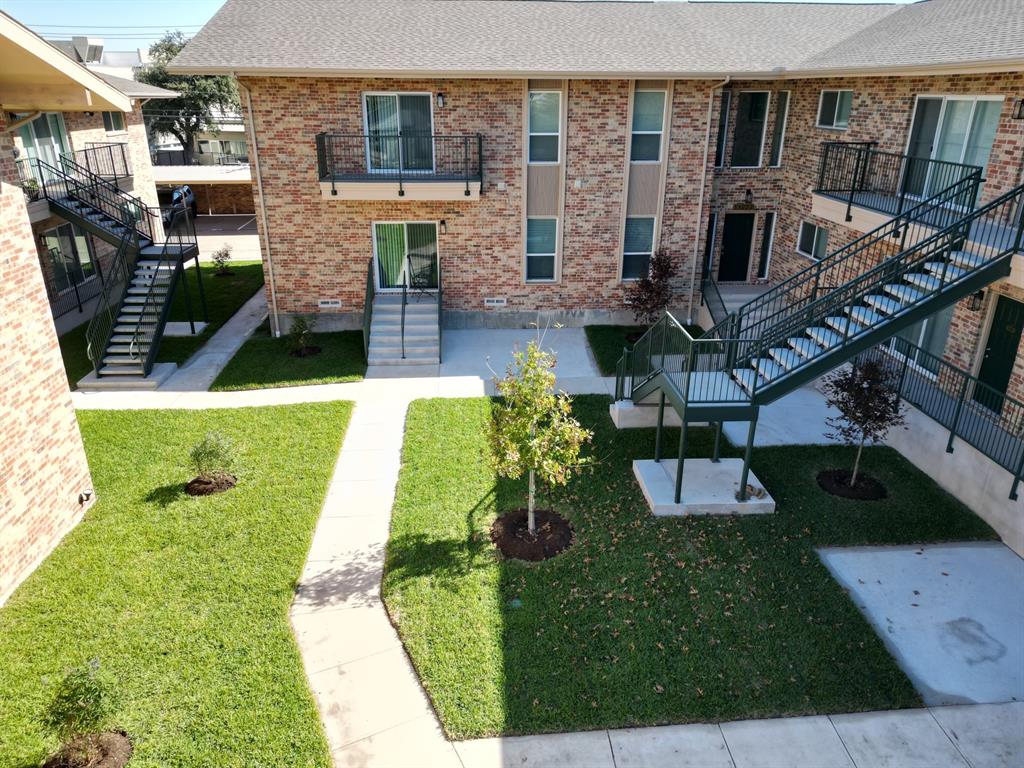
(42, 463)
(224, 198)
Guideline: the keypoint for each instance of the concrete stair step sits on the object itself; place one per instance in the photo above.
(119, 370)
(127, 348)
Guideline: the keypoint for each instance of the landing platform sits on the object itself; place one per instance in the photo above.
(708, 488)
(160, 373)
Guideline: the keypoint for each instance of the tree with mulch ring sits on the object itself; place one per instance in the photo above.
(534, 433)
(213, 458)
(77, 714)
(220, 259)
(300, 338)
(868, 400)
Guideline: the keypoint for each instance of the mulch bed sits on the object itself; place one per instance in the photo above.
(110, 749)
(305, 352)
(207, 486)
(837, 482)
(511, 535)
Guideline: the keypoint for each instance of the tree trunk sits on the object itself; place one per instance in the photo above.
(531, 521)
(856, 463)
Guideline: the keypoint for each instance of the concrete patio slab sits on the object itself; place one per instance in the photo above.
(989, 735)
(679, 746)
(182, 328)
(484, 352)
(709, 488)
(799, 742)
(590, 749)
(951, 615)
(903, 739)
(796, 419)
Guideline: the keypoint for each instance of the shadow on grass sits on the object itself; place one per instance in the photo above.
(165, 495)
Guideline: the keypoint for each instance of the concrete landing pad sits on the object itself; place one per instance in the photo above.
(952, 615)
(708, 488)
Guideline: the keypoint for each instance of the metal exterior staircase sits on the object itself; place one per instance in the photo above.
(124, 333)
(941, 251)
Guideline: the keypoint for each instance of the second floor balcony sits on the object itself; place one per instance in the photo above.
(378, 166)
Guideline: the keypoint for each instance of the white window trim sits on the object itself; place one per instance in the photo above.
(764, 130)
(526, 251)
(821, 101)
(817, 230)
(946, 97)
(649, 254)
(557, 134)
(771, 244)
(124, 123)
(396, 94)
(725, 128)
(659, 133)
(405, 223)
(785, 125)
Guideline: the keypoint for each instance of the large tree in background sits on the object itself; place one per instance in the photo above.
(192, 112)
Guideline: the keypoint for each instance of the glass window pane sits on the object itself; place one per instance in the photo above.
(983, 132)
(845, 103)
(648, 110)
(544, 111)
(806, 241)
(86, 265)
(635, 265)
(781, 108)
(936, 332)
(541, 236)
(540, 267)
(820, 243)
(751, 110)
(723, 127)
(639, 235)
(543, 149)
(827, 112)
(645, 146)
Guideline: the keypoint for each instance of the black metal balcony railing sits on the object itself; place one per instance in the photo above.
(108, 160)
(405, 158)
(887, 182)
(981, 416)
(177, 157)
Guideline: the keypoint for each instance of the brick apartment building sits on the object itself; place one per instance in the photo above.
(569, 141)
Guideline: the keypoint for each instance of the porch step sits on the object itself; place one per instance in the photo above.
(411, 358)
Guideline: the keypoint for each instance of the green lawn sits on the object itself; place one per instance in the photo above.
(607, 341)
(644, 620)
(184, 601)
(224, 297)
(264, 361)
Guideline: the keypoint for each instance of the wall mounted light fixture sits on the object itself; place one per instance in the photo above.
(444, 226)
(440, 101)
(748, 197)
(1018, 110)
(977, 301)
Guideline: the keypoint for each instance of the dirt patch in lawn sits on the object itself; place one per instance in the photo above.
(305, 352)
(207, 486)
(110, 749)
(837, 482)
(512, 536)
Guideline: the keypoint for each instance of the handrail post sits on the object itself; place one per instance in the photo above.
(956, 417)
(661, 423)
(401, 165)
(853, 186)
(465, 162)
(480, 160)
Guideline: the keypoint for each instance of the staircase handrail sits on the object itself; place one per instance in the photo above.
(949, 203)
(712, 296)
(170, 256)
(104, 318)
(138, 214)
(368, 308)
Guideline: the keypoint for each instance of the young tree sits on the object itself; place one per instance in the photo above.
(534, 430)
(650, 295)
(869, 405)
(199, 95)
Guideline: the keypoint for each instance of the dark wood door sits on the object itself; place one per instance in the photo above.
(737, 236)
(1000, 351)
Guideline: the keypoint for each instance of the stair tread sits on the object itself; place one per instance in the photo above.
(826, 337)
(769, 369)
(844, 326)
(967, 259)
(920, 279)
(805, 347)
(786, 357)
(884, 304)
(745, 377)
(951, 272)
(865, 316)
(904, 293)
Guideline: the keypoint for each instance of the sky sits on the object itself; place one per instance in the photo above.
(128, 24)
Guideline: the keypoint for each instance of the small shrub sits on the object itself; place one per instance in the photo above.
(649, 296)
(300, 335)
(80, 705)
(220, 258)
(214, 456)
(31, 188)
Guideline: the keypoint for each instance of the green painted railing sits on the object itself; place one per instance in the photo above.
(368, 309)
(115, 285)
(983, 417)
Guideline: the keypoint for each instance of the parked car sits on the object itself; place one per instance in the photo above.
(180, 197)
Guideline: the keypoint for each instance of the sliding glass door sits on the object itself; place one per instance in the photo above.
(406, 254)
(45, 138)
(399, 128)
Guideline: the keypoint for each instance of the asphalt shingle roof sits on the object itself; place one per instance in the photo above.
(542, 37)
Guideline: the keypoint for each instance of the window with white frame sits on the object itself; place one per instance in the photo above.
(648, 124)
(113, 121)
(544, 126)
(812, 241)
(638, 245)
(834, 109)
(779, 131)
(541, 247)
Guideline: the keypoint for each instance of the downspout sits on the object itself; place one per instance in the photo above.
(275, 323)
(700, 204)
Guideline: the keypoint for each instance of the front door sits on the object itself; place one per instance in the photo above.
(399, 133)
(737, 237)
(1000, 351)
(406, 255)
